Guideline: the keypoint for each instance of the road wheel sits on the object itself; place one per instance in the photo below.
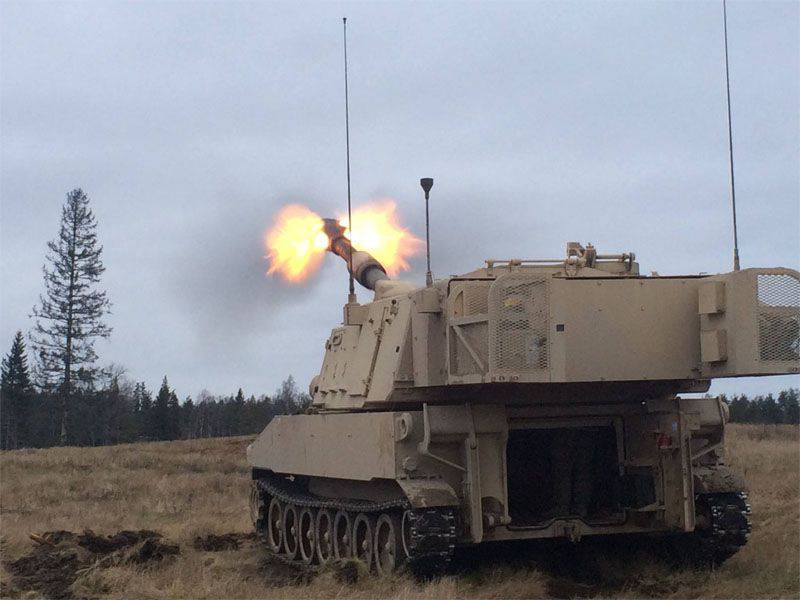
(389, 552)
(291, 536)
(324, 535)
(275, 525)
(342, 535)
(364, 538)
(306, 535)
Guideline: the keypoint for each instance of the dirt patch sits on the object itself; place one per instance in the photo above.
(58, 557)
(220, 543)
(347, 571)
(279, 573)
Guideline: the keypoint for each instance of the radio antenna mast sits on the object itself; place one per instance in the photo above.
(736, 266)
(351, 298)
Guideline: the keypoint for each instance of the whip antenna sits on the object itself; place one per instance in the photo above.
(427, 184)
(730, 139)
(351, 298)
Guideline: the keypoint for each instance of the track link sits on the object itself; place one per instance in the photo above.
(431, 540)
(431, 531)
(727, 527)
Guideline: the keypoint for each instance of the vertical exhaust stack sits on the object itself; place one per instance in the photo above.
(363, 267)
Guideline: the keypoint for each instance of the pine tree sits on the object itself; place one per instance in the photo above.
(161, 412)
(238, 420)
(188, 417)
(145, 419)
(173, 417)
(789, 401)
(770, 411)
(69, 316)
(15, 388)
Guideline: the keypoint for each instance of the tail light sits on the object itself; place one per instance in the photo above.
(664, 441)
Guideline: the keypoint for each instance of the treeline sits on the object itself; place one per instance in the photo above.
(122, 411)
(114, 410)
(766, 409)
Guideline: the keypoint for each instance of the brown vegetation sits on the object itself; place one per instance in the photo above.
(194, 494)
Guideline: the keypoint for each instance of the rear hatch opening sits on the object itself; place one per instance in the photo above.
(563, 472)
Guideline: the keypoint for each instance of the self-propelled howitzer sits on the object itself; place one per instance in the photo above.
(524, 399)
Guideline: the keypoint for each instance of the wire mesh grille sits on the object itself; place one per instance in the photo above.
(476, 298)
(519, 324)
(469, 298)
(778, 317)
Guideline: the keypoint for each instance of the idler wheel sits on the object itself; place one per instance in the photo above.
(256, 506)
(307, 535)
(389, 554)
(275, 525)
(324, 535)
(405, 534)
(342, 535)
(364, 538)
(291, 530)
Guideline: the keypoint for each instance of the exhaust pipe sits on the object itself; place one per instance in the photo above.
(365, 268)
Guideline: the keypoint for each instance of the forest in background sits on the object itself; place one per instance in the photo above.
(115, 410)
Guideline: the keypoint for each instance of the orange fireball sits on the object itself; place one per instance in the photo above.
(377, 230)
(296, 243)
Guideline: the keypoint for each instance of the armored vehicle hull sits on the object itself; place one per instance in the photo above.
(523, 400)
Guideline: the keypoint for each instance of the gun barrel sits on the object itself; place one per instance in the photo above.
(366, 269)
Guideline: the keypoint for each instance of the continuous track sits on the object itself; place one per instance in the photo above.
(426, 536)
(726, 519)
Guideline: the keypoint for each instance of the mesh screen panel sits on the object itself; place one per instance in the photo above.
(519, 324)
(778, 317)
(476, 298)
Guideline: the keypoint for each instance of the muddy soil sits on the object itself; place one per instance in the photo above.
(57, 558)
(220, 543)
(597, 567)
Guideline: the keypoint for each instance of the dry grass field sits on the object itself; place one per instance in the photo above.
(187, 489)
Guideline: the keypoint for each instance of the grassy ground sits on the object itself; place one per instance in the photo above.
(188, 489)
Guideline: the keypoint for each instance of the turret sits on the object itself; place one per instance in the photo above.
(542, 330)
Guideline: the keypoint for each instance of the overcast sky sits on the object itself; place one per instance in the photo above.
(189, 124)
